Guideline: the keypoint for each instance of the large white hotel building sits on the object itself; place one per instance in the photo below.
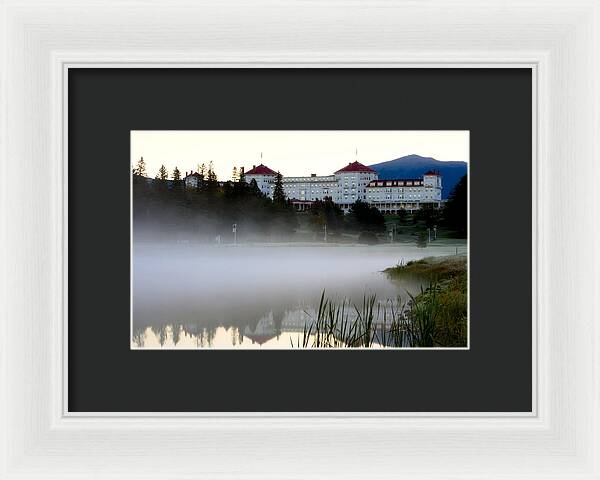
(353, 182)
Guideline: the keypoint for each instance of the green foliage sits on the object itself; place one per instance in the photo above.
(401, 214)
(211, 176)
(326, 213)
(254, 187)
(368, 238)
(423, 315)
(439, 313)
(436, 317)
(434, 268)
(428, 214)
(284, 216)
(140, 168)
(451, 323)
(162, 173)
(278, 193)
(210, 182)
(455, 209)
(339, 325)
(170, 211)
(176, 174)
(366, 217)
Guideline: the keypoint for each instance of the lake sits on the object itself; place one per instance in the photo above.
(189, 296)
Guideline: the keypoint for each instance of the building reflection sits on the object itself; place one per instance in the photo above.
(271, 325)
(263, 332)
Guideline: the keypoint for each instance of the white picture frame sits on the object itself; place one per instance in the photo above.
(558, 39)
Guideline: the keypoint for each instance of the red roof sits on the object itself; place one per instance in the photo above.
(195, 174)
(356, 167)
(433, 172)
(261, 170)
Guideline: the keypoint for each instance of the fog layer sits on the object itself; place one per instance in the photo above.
(256, 293)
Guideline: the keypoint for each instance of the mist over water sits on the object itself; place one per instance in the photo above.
(249, 296)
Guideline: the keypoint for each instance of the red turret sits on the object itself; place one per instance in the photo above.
(356, 167)
(261, 170)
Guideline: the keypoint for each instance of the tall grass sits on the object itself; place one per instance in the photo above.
(420, 322)
(423, 316)
(340, 325)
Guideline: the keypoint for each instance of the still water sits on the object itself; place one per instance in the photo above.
(255, 296)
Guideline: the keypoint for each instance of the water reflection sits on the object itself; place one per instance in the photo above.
(192, 297)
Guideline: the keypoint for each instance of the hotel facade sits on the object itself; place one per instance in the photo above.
(353, 182)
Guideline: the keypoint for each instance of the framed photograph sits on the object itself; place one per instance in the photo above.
(354, 256)
(300, 241)
(365, 263)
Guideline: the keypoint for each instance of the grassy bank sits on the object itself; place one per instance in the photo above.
(436, 317)
(437, 269)
(439, 312)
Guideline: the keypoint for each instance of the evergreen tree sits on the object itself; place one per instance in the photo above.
(211, 176)
(428, 214)
(234, 175)
(214, 207)
(367, 216)
(401, 215)
(177, 183)
(210, 181)
(176, 174)
(240, 187)
(254, 188)
(455, 210)
(140, 168)
(162, 173)
(202, 171)
(278, 193)
(325, 212)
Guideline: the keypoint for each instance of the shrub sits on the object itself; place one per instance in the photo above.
(368, 238)
(422, 240)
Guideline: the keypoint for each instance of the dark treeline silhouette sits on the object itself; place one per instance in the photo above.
(166, 210)
(428, 215)
(366, 216)
(455, 210)
(326, 213)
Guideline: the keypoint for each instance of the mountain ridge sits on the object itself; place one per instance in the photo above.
(414, 166)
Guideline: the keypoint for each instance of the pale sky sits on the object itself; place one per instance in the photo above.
(293, 153)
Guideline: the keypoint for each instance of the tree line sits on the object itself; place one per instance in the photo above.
(165, 208)
(202, 170)
(364, 217)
